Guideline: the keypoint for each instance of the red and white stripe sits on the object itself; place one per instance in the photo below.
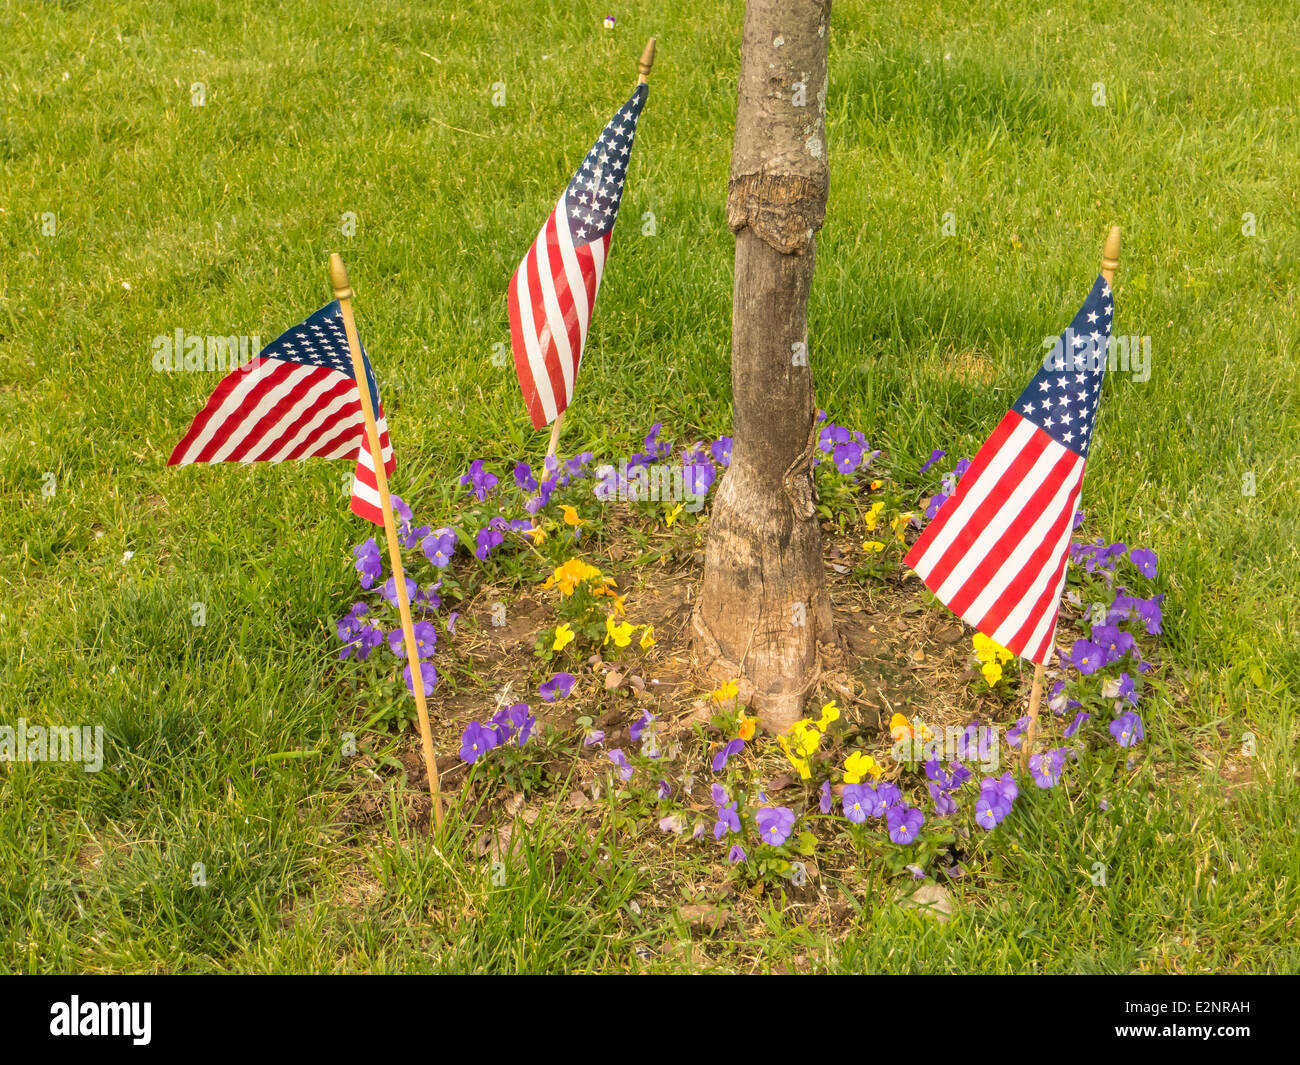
(271, 410)
(995, 554)
(551, 296)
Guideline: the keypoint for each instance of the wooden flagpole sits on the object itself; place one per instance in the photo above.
(1109, 262)
(643, 66)
(343, 293)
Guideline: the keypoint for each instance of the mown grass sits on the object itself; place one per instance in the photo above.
(218, 219)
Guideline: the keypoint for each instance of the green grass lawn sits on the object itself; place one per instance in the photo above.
(218, 219)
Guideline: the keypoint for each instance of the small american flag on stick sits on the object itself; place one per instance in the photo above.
(297, 399)
(553, 290)
(995, 553)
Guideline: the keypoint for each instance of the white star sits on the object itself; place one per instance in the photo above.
(1105, 291)
(1028, 408)
(1092, 316)
(1043, 386)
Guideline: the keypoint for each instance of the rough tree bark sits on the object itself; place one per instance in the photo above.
(763, 614)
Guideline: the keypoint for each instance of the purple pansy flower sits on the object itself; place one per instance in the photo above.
(1114, 642)
(1119, 688)
(728, 820)
(736, 854)
(369, 563)
(1086, 657)
(389, 591)
(524, 477)
(428, 677)
(944, 804)
(859, 801)
(439, 546)
(824, 797)
(1144, 560)
(426, 640)
(775, 824)
(640, 725)
(620, 759)
(904, 823)
(723, 756)
(1046, 768)
(480, 481)
(487, 539)
(476, 741)
(847, 457)
(720, 449)
(558, 687)
(1073, 727)
(1127, 729)
(935, 456)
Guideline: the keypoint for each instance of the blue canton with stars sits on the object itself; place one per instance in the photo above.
(322, 341)
(593, 195)
(1062, 398)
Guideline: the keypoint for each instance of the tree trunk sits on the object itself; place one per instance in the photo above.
(763, 609)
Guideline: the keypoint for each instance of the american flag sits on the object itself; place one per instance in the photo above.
(297, 399)
(554, 289)
(995, 553)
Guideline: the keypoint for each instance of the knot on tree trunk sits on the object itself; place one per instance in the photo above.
(784, 210)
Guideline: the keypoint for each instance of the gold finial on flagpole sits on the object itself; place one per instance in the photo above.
(1110, 255)
(339, 277)
(646, 61)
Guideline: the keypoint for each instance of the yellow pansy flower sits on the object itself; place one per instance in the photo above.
(873, 516)
(900, 729)
(745, 726)
(858, 765)
(992, 672)
(804, 738)
(798, 761)
(570, 515)
(899, 524)
(672, 514)
(568, 576)
(618, 631)
(537, 533)
(728, 691)
(830, 714)
(648, 638)
(563, 636)
(987, 650)
(872, 546)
